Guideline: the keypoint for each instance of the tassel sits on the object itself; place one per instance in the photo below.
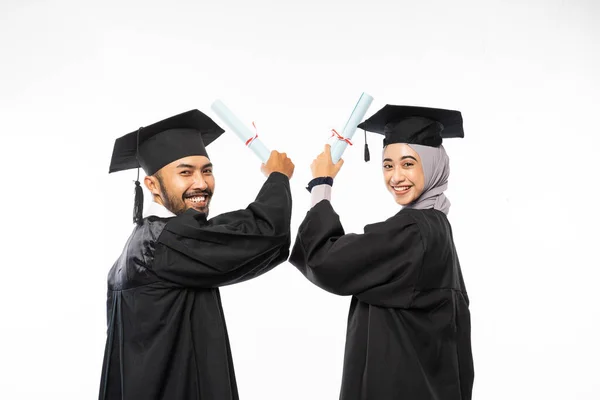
(138, 203)
(367, 154)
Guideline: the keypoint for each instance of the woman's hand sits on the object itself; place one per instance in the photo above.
(323, 165)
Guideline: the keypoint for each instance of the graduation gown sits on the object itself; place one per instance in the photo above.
(408, 334)
(167, 337)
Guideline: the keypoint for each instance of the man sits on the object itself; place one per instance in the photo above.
(167, 337)
(409, 329)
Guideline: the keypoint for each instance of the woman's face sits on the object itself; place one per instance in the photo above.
(403, 173)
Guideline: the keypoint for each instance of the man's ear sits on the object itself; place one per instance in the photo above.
(152, 185)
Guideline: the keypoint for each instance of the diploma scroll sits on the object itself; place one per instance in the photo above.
(249, 138)
(357, 116)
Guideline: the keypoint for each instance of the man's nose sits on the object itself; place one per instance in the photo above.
(199, 182)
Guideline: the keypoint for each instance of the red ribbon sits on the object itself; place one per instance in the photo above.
(340, 137)
(252, 138)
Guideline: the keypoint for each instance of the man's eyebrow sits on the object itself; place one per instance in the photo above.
(182, 165)
(185, 166)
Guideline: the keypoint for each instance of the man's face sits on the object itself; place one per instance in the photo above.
(182, 184)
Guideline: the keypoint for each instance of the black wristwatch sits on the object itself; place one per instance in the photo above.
(327, 180)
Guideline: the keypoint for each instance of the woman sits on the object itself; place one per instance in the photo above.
(408, 334)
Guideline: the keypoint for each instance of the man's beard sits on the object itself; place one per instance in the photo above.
(177, 205)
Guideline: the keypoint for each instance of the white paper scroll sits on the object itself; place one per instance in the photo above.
(247, 137)
(357, 116)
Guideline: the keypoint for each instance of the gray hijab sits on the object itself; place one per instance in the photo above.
(436, 168)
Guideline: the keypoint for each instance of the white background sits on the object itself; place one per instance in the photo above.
(75, 75)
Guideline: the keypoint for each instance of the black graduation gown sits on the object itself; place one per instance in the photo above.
(408, 334)
(167, 337)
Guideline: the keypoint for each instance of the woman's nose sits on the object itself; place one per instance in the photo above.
(398, 176)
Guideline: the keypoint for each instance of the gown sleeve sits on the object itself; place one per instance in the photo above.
(230, 248)
(380, 266)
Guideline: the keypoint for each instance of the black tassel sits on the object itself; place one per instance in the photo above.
(367, 154)
(138, 204)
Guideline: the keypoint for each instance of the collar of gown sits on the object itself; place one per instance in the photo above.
(158, 210)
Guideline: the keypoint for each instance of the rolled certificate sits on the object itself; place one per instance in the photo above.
(250, 139)
(357, 116)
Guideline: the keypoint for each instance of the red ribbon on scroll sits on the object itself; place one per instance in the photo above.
(340, 137)
(252, 138)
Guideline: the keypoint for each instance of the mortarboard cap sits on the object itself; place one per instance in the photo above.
(416, 125)
(154, 146)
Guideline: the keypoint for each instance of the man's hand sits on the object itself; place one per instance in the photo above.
(278, 162)
(323, 165)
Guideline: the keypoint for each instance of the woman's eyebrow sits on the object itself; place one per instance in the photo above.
(403, 158)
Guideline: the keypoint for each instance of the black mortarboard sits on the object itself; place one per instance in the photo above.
(182, 135)
(154, 146)
(416, 125)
